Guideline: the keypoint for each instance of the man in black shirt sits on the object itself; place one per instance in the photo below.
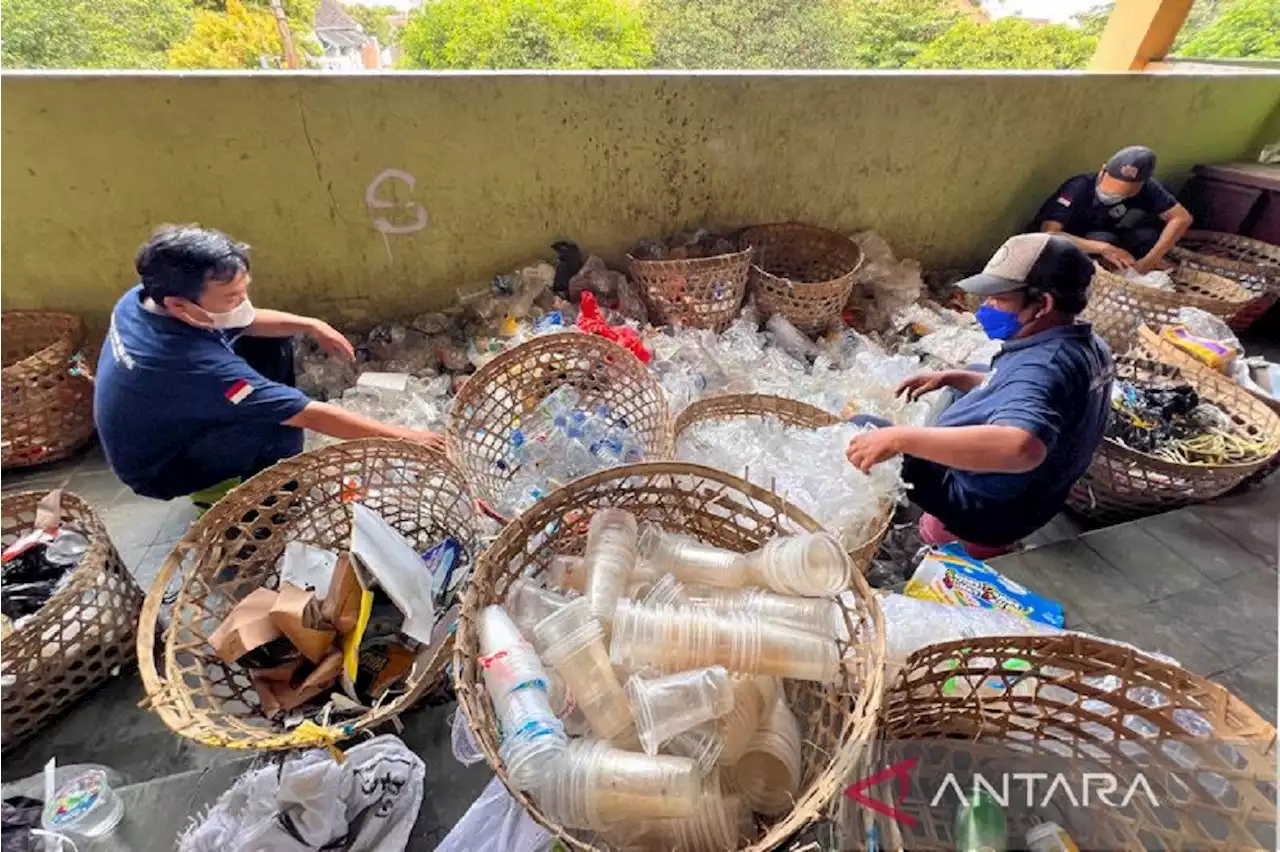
(1113, 214)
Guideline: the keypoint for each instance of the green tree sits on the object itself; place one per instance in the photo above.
(745, 33)
(240, 37)
(90, 33)
(1008, 43)
(526, 34)
(374, 20)
(1094, 21)
(1242, 29)
(891, 33)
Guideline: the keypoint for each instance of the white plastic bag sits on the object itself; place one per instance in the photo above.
(496, 821)
(307, 567)
(397, 567)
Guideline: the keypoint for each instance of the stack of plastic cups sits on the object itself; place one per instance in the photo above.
(528, 604)
(665, 590)
(573, 643)
(704, 745)
(597, 786)
(567, 573)
(670, 705)
(673, 638)
(533, 739)
(769, 772)
(750, 695)
(809, 565)
(610, 557)
(720, 823)
(817, 615)
(692, 561)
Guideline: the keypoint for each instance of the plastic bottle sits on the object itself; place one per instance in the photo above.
(533, 739)
(981, 825)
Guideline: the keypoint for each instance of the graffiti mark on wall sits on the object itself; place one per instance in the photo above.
(408, 217)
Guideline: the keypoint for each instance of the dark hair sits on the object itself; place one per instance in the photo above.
(1065, 272)
(178, 260)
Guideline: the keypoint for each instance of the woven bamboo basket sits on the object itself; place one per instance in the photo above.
(1253, 263)
(81, 637)
(792, 413)
(1118, 307)
(46, 412)
(490, 405)
(1151, 346)
(233, 549)
(701, 292)
(720, 509)
(1122, 483)
(807, 274)
(1073, 708)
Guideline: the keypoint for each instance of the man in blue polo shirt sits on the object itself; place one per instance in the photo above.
(1121, 214)
(179, 409)
(1001, 459)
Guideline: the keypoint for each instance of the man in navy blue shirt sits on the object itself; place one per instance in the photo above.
(1116, 214)
(178, 409)
(1001, 459)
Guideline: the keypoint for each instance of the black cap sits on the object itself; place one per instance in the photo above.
(1048, 261)
(1134, 164)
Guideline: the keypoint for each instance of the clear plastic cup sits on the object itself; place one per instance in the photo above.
(768, 775)
(673, 638)
(568, 573)
(741, 724)
(672, 704)
(665, 590)
(84, 807)
(817, 615)
(610, 558)
(691, 561)
(527, 604)
(809, 565)
(720, 822)
(703, 745)
(597, 786)
(573, 644)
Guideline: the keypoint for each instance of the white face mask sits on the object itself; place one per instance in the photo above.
(1109, 198)
(241, 316)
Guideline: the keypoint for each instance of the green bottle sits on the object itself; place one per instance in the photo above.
(981, 825)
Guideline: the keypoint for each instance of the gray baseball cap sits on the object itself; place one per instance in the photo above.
(1134, 164)
(1049, 261)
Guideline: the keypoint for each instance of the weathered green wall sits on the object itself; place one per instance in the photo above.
(943, 165)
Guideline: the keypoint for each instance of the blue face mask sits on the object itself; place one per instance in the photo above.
(998, 324)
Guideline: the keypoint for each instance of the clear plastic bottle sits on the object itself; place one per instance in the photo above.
(532, 737)
(610, 556)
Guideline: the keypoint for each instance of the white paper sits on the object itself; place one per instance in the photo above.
(307, 567)
(397, 568)
(385, 381)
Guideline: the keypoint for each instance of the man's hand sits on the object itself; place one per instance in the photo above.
(923, 383)
(433, 440)
(874, 446)
(1116, 256)
(331, 340)
(1150, 263)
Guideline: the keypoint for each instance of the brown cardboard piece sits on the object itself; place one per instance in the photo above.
(276, 687)
(246, 627)
(297, 614)
(341, 606)
(268, 681)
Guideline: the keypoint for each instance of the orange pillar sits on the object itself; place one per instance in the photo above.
(1139, 32)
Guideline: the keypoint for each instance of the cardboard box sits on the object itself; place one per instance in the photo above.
(297, 614)
(246, 627)
(341, 606)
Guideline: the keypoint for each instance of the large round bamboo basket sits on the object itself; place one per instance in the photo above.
(792, 413)
(720, 509)
(233, 550)
(1118, 307)
(1122, 483)
(46, 408)
(804, 273)
(1073, 710)
(1254, 264)
(488, 409)
(81, 637)
(700, 292)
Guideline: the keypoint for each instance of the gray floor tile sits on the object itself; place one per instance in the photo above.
(148, 566)
(179, 518)
(135, 522)
(1161, 626)
(1213, 553)
(1232, 619)
(1252, 520)
(1144, 561)
(1254, 683)
(1072, 574)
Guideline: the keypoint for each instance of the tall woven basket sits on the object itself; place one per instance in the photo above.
(1122, 483)
(720, 509)
(804, 273)
(701, 292)
(488, 409)
(1254, 264)
(233, 550)
(792, 413)
(1118, 307)
(1073, 711)
(46, 408)
(81, 637)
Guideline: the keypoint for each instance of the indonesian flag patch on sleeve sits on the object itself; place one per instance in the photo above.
(239, 392)
(1064, 200)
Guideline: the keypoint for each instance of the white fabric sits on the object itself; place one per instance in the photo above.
(496, 821)
(371, 800)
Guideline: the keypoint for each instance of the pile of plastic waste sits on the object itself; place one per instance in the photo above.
(1211, 341)
(1171, 422)
(39, 563)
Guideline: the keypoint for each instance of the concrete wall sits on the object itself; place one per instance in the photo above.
(370, 195)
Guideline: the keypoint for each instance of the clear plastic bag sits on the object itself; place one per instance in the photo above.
(496, 821)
